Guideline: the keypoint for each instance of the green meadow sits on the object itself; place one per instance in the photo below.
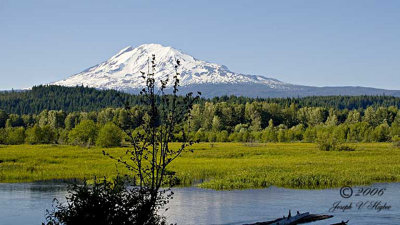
(221, 166)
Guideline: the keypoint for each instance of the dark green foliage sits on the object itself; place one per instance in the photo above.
(61, 98)
(3, 118)
(14, 120)
(104, 203)
(70, 99)
(40, 135)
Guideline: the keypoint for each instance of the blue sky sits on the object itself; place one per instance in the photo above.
(322, 43)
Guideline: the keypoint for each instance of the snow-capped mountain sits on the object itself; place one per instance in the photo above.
(123, 72)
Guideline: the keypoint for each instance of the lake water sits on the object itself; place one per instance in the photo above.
(22, 204)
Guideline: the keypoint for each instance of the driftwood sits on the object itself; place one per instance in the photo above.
(299, 218)
(341, 223)
(313, 217)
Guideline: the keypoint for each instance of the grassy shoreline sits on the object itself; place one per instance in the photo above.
(221, 166)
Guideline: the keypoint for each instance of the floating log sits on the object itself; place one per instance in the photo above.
(341, 223)
(313, 217)
(297, 219)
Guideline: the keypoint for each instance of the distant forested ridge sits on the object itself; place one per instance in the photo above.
(68, 99)
(84, 99)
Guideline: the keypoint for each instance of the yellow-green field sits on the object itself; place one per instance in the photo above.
(217, 166)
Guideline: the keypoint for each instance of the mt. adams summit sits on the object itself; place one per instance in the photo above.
(122, 72)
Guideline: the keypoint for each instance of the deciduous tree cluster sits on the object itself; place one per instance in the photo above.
(255, 121)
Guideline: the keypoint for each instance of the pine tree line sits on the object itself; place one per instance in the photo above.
(84, 99)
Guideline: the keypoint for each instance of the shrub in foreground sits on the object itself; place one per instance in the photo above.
(104, 203)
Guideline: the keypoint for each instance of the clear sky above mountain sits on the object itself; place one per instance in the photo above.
(322, 43)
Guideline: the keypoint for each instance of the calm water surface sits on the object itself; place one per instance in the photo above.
(22, 204)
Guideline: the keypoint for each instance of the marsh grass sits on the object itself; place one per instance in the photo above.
(223, 166)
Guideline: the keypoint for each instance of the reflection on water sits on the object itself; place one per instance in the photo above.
(22, 204)
(26, 203)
